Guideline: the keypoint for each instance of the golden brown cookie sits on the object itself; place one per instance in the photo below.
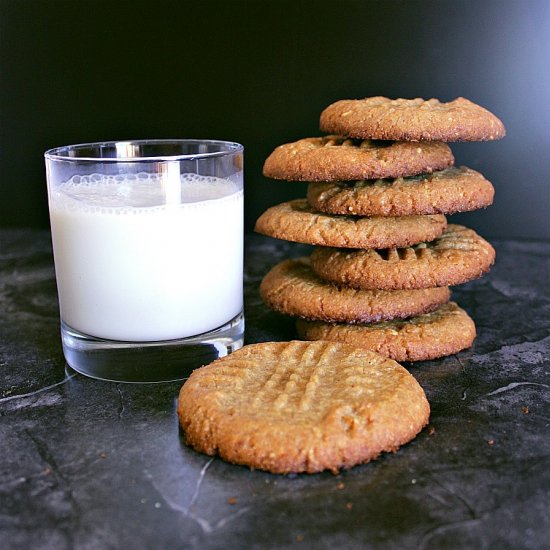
(442, 192)
(411, 120)
(333, 158)
(443, 332)
(459, 255)
(296, 221)
(292, 288)
(301, 406)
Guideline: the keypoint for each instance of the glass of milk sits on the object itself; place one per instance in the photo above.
(148, 248)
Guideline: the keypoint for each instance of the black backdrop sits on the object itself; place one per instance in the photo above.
(260, 72)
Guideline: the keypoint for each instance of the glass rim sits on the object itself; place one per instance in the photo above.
(62, 153)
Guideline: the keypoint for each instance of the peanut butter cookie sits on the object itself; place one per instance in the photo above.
(333, 158)
(301, 406)
(445, 331)
(457, 256)
(411, 120)
(292, 288)
(442, 192)
(296, 221)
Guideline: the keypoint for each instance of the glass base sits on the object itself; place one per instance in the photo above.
(149, 361)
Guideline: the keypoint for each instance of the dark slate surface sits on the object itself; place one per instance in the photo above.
(88, 464)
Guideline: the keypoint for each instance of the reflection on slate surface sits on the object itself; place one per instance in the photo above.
(90, 464)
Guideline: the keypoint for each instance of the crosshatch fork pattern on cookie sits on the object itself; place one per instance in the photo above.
(297, 377)
(457, 256)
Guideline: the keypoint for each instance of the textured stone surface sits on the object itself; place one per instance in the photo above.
(89, 464)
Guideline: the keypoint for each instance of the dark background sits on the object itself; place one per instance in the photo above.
(260, 73)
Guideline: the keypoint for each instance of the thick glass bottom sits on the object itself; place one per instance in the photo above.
(149, 361)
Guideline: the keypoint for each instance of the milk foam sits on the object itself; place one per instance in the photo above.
(136, 193)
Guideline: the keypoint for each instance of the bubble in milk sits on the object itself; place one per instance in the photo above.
(140, 192)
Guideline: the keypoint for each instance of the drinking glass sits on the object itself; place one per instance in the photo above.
(148, 248)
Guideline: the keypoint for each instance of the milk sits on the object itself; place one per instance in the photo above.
(146, 258)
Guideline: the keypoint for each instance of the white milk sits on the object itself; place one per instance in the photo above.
(130, 267)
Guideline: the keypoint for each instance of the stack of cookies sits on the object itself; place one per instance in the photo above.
(380, 184)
